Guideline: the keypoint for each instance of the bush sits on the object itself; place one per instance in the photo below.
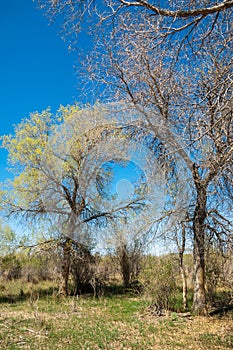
(157, 277)
(10, 267)
(219, 273)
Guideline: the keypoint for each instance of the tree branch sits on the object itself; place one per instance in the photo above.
(226, 4)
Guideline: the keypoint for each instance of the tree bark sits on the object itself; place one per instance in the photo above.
(204, 11)
(64, 288)
(125, 266)
(199, 299)
(184, 286)
(182, 268)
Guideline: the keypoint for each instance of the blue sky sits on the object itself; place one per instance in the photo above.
(36, 69)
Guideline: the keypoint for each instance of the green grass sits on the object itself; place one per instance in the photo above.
(215, 340)
(40, 320)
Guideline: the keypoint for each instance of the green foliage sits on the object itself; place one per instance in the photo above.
(214, 267)
(26, 156)
(10, 266)
(7, 240)
(29, 140)
(29, 266)
(157, 277)
(219, 272)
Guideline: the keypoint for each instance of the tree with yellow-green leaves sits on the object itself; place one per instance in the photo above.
(44, 155)
(7, 239)
(25, 150)
(45, 185)
(55, 160)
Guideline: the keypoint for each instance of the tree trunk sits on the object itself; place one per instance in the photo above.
(199, 299)
(125, 266)
(184, 286)
(64, 288)
(181, 249)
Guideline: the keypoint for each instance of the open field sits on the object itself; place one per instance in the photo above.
(110, 322)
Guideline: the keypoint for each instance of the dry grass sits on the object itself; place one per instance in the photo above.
(118, 322)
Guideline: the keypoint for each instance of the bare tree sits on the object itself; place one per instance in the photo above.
(174, 64)
(185, 13)
(200, 109)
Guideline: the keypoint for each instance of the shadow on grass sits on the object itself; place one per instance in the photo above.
(21, 296)
(222, 303)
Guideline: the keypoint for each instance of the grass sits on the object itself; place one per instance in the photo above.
(37, 319)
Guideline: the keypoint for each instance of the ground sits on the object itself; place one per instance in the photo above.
(41, 321)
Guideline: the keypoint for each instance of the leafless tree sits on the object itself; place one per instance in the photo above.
(173, 63)
(177, 15)
(196, 99)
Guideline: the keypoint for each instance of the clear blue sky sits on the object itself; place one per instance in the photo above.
(36, 69)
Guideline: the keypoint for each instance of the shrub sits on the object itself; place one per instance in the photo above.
(10, 267)
(157, 277)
